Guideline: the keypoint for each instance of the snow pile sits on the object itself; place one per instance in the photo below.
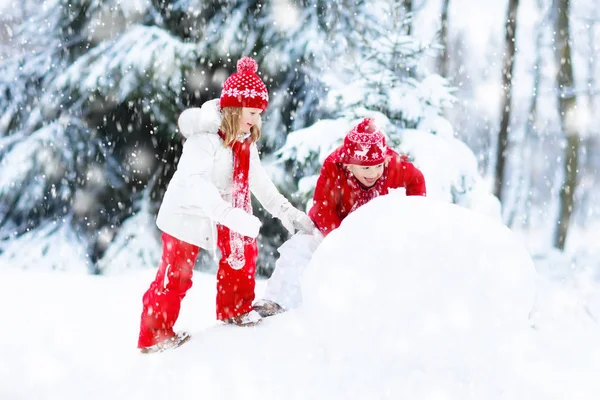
(450, 169)
(410, 298)
(426, 291)
(321, 139)
(55, 246)
(137, 244)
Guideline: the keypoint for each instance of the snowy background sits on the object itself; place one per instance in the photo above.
(89, 94)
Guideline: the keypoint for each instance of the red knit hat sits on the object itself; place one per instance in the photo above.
(245, 88)
(364, 145)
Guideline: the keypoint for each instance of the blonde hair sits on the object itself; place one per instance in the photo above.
(230, 122)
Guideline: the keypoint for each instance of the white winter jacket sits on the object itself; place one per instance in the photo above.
(200, 190)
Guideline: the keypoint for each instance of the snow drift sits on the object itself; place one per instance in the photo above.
(409, 298)
(412, 282)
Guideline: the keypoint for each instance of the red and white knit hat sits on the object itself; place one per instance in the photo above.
(364, 145)
(245, 88)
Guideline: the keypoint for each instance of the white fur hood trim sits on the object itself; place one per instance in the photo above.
(206, 119)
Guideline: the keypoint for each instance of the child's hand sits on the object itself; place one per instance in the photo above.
(303, 223)
(293, 219)
(241, 222)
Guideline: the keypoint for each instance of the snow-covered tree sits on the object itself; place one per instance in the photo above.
(89, 105)
(379, 74)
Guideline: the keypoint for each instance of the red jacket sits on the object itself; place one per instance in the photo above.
(338, 193)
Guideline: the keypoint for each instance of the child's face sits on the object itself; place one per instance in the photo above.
(249, 118)
(367, 176)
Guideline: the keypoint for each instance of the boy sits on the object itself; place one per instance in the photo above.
(362, 168)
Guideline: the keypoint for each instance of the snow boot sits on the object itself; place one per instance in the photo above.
(267, 308)
(170, 343)
(251, 318)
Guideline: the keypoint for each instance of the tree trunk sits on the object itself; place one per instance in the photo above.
(527, 145)
(590, 143)
(408, 6)
(591, 81)
(443, 60)
(507, 71)
(567, 107)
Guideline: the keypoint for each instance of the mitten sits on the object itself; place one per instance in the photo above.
(293, 219)
(241, 222)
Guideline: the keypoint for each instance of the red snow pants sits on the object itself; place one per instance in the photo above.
(162, 301)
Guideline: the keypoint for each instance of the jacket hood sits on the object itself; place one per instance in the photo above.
(206, 119)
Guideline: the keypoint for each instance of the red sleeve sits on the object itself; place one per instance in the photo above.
(326, 198)
(413, 180)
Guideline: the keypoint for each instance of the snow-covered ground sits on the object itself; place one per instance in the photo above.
(409, 298)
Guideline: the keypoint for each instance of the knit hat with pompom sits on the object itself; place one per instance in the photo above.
(245, 88)
(364, 145)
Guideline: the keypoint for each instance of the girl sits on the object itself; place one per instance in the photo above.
(355, 173)
(207, 205)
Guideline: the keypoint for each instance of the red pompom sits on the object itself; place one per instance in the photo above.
(367, 125)
(247, 64)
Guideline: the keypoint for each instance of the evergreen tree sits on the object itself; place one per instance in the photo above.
(377, 71)
(89, 110)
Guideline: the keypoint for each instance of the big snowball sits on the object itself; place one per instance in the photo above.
(410, 279)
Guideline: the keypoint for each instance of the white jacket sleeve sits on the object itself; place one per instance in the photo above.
(194, 170)
(263, 187)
